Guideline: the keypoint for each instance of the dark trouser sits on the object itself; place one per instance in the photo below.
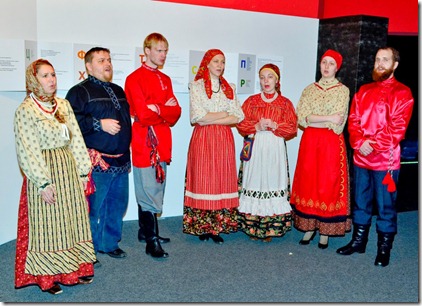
(107, 208)
(368, 186)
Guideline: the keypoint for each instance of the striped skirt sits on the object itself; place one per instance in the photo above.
(211, 195)
(54, 243)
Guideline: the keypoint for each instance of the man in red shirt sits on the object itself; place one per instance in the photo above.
(155, 110)
(379, 116)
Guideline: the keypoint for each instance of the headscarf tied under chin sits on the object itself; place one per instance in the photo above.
(203, 73)
(32, 83)
(276, 71)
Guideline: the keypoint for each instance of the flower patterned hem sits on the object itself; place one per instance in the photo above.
(199, 221)
(265, 226)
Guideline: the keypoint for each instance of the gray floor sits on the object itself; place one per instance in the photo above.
(240, 270)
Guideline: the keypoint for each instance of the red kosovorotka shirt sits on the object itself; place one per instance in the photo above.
(145, 86)
(381, 112)
(281, 110)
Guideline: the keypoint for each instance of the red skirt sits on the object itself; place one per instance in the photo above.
(320, 187)
(211, 175)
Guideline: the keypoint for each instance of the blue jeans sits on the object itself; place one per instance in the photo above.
(149, 193)
(108, 206)
(368, 186)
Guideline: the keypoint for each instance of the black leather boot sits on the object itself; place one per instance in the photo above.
(141, 235)
(162, 239)
(153, 247)
(385, 244)
(358, 242)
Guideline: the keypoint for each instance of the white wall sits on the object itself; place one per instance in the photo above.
(22, 24)
(126, 23)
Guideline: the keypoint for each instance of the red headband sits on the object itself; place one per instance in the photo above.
(335, 55)
(276, 70)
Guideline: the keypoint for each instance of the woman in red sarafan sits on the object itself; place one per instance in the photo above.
(320, 190)
(211, 198)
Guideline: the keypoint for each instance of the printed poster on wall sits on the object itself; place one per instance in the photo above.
(176, 67)
(12, 65)
(60, 56)
(31, 52)
(79, 51)
(139, 57)
(246, 74)
(123, 63)
(195, 58)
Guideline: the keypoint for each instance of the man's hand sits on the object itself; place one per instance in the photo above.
(366, 147)
(110, 126)
(153, 108)
(171, 102)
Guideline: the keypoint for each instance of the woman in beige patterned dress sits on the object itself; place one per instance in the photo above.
(54, 243)
(320, 191)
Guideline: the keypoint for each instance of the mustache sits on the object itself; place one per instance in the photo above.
(383, 75)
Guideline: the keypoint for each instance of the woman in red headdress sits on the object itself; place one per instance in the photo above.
(270, 119)
(211, 197)
(320, 191)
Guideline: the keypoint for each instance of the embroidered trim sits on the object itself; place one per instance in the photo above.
(214, 197)
(264, 195)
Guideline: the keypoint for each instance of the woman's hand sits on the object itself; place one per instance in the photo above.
(337, 118)
(49, 194)
(263, 124)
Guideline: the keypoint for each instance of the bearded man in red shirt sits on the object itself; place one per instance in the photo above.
(379, 116)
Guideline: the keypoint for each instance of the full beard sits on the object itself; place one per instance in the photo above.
(379, 76)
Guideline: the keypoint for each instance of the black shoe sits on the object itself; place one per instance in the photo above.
(97, 263)
(358, 242)
(305, 242)
(217, 239)
(161, 239)
(382, 259)
(117, 253)
(56, 289)
(85, 280)
(204, 237)
(385, 244)
(154, 249)
(157, 231)
(322, 245)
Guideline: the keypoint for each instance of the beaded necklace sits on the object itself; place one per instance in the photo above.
(41, 105)
(265, 99)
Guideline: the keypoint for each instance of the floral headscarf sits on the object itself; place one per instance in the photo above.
(275, 70)
(32, 83)
(203, 73)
